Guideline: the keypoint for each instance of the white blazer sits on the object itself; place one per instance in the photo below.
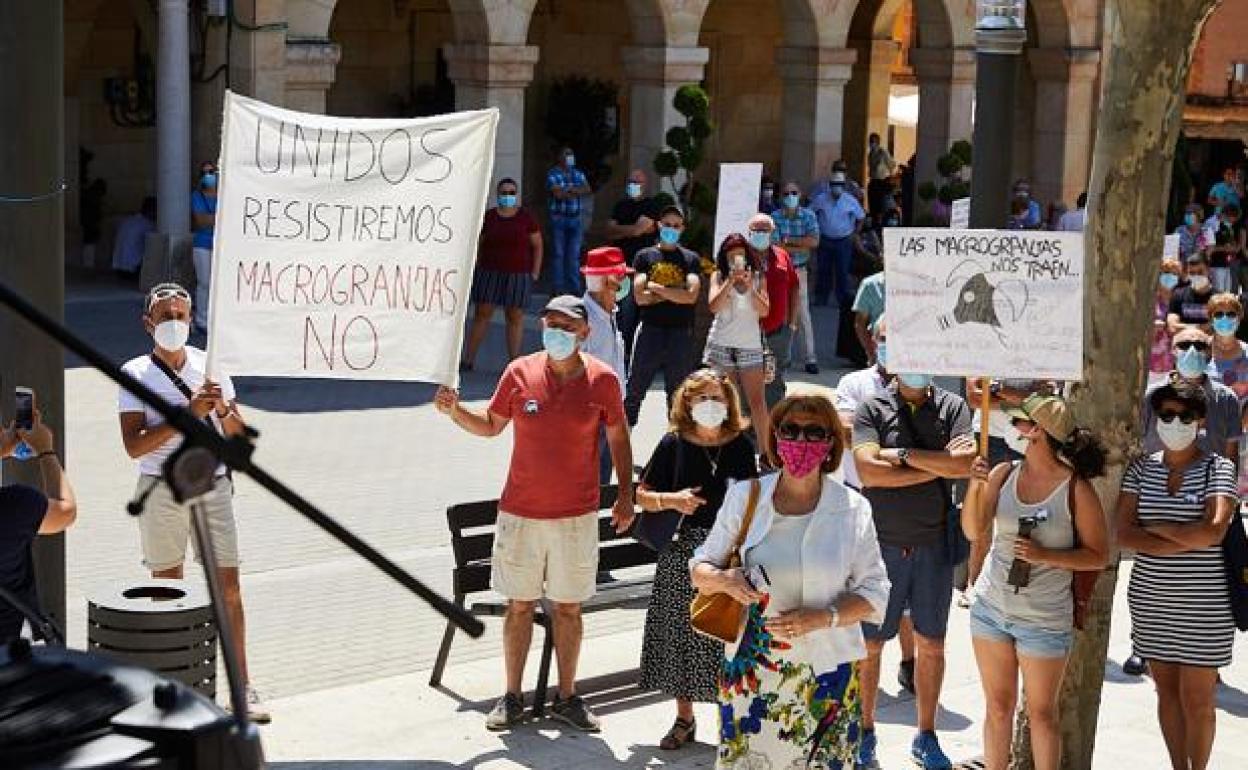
(840, 555)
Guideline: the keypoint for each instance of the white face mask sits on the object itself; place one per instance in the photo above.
(1017, 442)
(1176, 435)
(172, 335)
(1199, 282)
(709, 414)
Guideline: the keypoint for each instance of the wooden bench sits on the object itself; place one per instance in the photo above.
(472, 528)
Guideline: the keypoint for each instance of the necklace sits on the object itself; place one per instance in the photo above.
(714, 461)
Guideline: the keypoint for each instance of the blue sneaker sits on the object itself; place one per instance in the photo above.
(866, 751)
(927, 754)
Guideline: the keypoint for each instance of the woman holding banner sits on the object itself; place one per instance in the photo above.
(509, 260)
(1049, 524)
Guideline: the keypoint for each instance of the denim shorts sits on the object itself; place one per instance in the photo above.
(922, 582)
(1031, 642)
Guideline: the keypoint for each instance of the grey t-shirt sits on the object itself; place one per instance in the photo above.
(1222, 420)
(913, 515)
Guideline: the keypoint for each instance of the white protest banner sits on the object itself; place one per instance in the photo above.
(737, 201)
(960, 214)
(1170, 248)
(985, 303)
(344, 247)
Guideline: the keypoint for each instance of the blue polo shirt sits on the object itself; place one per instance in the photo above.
(837, 217)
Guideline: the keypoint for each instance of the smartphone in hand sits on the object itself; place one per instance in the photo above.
(24, 398)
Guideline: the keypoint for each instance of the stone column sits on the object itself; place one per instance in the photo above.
(173, 120)
(496, 76)
(310, 69)
(946, 98)
(654, 75)
(1067, 96)
(866, 102)
(813, 108)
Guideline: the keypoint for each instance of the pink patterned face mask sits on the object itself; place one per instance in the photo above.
(802, 458)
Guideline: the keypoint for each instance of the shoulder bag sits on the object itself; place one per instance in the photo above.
(1082, 582)
(655, 529)
(1235, 557)
(719, 616)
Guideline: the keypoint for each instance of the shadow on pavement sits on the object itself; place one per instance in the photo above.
(896, 710)
(1232, 700)
(364, 764)
(1115, 674)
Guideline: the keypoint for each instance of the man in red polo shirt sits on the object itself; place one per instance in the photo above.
(784, 290)
(546, 543)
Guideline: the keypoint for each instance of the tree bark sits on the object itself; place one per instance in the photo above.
(1150, 48)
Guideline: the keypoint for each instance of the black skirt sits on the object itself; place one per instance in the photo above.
(675, 659)
(490, 287)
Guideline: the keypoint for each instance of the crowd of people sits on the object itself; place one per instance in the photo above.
(836, 521)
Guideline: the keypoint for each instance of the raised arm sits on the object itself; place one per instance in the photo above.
(485, 424)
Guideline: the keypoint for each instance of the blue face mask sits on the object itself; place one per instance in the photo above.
(626, 285)
(670, 236)
(881, 354)
(760, 239)
(1225, 327)
(1190, 219)
(836, 190)
(208, 180)
(506, 201)
(633, 189)
(559, 344)
(1191, 363)
(1168, 280)
(915, 381)
(791, 201)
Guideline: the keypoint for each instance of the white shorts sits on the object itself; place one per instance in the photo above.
(554, 558)
(165, 525)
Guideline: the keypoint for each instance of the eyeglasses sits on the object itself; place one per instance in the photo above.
(1200, 345)
(1225, 314)
(791, 431)
(1187, 418)
(705, 375)
(160, 295)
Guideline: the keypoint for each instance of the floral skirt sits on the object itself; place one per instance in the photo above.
(777, 713)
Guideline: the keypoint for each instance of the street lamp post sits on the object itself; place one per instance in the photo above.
(1000, 34)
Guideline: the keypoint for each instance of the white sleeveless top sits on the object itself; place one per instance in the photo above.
(736, 325)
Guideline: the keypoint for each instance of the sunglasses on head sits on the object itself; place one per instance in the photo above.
(1192, 344)
(1169, 416)
(791, 431)
(160, 295)
(1017, 421)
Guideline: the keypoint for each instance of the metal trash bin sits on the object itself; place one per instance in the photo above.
(162, 625)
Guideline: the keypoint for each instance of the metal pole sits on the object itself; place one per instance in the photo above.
(996, 71)
(32, 238)
(173, 132)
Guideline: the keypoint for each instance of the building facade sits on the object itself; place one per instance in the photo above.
(794, 84)
(1215, 118)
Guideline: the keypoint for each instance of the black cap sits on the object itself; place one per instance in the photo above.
(568, 305)
(672, 209)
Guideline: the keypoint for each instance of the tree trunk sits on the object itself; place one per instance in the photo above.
(1149, 48)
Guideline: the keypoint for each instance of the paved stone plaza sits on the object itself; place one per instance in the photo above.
(342, 652)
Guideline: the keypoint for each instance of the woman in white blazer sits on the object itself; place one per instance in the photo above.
(812, 572)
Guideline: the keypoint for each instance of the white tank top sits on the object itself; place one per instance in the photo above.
(736, 325)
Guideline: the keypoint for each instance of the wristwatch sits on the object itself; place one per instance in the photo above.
(836, 617)
(903, 457)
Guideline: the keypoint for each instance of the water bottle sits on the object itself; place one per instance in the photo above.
(23, 451)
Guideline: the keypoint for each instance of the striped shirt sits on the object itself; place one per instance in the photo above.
(1180, 603)
(557, 177)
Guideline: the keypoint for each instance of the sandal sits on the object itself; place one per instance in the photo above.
(682, 732)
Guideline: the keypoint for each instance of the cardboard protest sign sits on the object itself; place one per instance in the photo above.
(739, 184)
(344, 247)
(960, 214)
(985, 303)
(1170, 247)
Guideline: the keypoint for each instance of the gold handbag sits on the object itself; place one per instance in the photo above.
(720, 616)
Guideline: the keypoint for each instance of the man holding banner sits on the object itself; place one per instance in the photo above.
(546, 546)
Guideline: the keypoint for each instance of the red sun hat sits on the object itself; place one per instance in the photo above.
(606, 260)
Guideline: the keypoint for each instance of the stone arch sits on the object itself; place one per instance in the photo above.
(649, 21)
(1050, 22)
(480, 21)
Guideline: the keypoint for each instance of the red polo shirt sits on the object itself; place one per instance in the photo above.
(554, 457)
(781, 278)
